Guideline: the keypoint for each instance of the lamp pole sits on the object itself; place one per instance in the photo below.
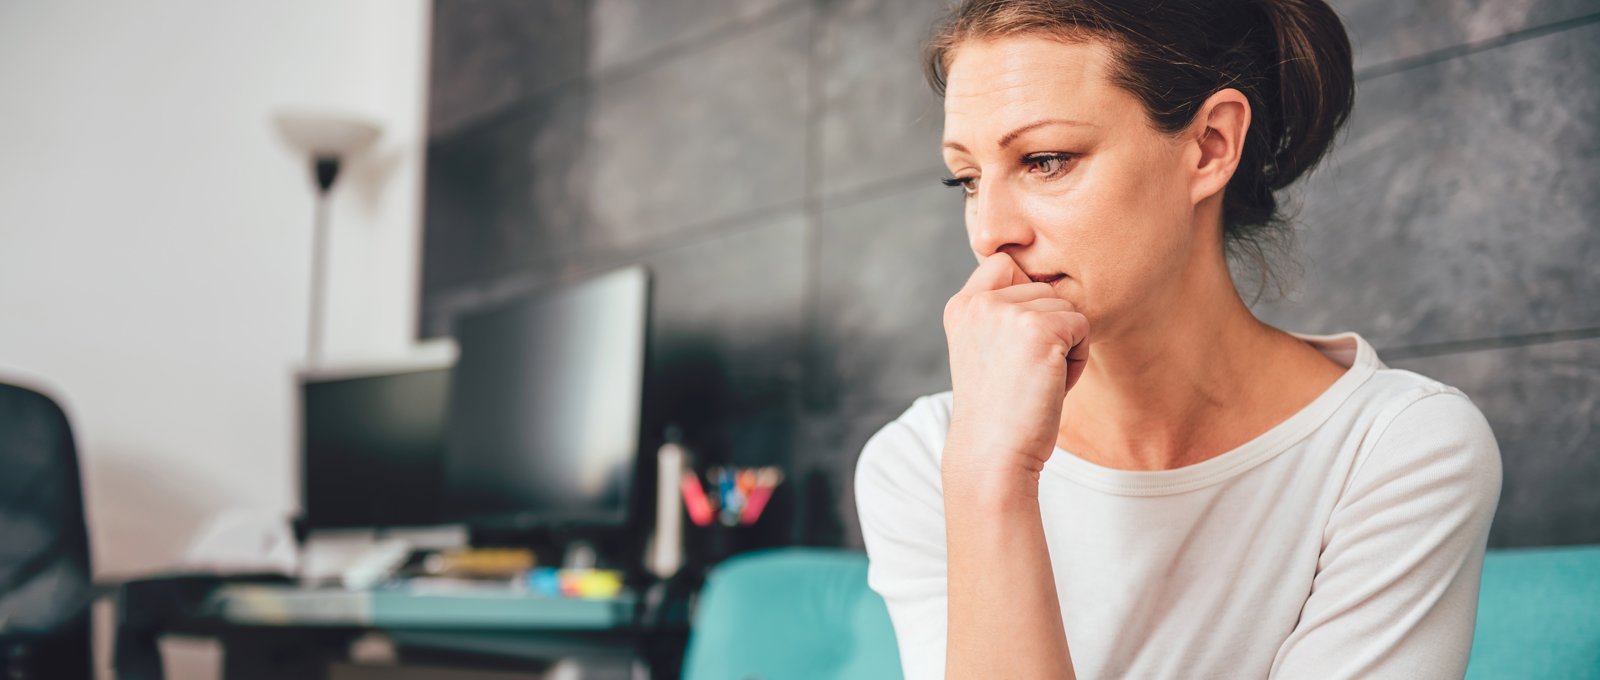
(325, 169)
(327, 138)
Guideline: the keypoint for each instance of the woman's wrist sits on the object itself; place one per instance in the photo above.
(991, 479)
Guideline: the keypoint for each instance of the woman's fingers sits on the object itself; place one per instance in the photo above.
(1078, 356)
(1023, 292)
(1046, 304)
(1070, 330)
(997, 271)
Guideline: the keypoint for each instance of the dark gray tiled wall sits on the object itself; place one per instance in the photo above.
(886, 266)
(878, 120)
(728, 336)
(507, 197)
(1386, 31)
(774, 162)
(492, 54)
(1456, 222)
(626, 31)
(1475, 176)
(1541, 401)
(708, 135)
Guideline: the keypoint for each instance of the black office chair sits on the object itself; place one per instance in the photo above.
(44, 543)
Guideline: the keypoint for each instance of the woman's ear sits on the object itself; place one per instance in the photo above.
(1218, 133)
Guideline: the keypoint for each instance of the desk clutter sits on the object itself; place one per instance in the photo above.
(424, 603)
(504, 570)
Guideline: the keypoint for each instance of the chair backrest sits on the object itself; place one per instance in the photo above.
(1538, 614)
(44, 558)
(800, 613)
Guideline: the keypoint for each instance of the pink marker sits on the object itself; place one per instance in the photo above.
(756, 503)
(694, 500)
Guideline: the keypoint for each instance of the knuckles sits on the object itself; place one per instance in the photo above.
(985, 313)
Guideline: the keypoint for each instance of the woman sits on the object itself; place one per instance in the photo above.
(1133, 476)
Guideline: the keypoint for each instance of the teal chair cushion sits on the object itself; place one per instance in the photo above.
(807, 614)
(1538, 615)
(791, 613)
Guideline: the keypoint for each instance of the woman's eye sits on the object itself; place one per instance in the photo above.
(969, 185)
(1051, 165)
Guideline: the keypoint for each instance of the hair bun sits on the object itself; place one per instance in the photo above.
(1315, 82)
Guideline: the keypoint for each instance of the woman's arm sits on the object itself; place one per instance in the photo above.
(1005, 618)
(1015, 350)
(1396, 590)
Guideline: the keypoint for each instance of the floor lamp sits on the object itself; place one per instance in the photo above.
(327, 139)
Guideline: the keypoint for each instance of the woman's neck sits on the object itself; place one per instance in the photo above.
(1198, 376)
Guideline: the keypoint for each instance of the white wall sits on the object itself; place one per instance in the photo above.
(155, 238)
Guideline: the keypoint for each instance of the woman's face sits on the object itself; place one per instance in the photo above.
(1063, 172)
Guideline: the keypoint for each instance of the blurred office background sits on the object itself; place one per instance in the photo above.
(776, 164)
(773, 162)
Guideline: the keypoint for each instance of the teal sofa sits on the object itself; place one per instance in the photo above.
(807, 614)
(791, 614)
(1538, 615)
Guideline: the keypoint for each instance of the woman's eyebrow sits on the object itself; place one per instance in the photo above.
(1012, 136)
(1009, 137)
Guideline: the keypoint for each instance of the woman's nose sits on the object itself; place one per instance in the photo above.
(995, 222)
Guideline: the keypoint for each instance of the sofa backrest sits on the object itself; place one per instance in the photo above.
(800, 613)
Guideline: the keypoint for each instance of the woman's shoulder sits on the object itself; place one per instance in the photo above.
(908, 449)
(1418, 425)
(1395, 394)
(1384, 397)
(923, 424)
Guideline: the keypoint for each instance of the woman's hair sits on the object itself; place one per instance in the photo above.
(1290, 59)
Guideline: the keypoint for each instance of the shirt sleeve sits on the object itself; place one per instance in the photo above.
(1396, 589)
(901, 506)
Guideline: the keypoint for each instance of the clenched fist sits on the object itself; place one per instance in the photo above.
(1016, 347)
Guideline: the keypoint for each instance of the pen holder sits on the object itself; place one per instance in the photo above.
(724, 508)
(709, 545)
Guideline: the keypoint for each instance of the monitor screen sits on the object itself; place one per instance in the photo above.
(545, 409)
(373, 447)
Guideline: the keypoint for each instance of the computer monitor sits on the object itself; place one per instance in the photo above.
(544, 427)
(373, 447)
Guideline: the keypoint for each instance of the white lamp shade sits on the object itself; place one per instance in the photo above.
(327, 133)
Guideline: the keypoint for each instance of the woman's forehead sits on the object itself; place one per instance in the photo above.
(998, 83)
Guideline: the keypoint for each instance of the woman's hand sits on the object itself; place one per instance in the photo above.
(1015, 350)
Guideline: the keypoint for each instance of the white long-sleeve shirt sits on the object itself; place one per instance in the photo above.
(1346, 542)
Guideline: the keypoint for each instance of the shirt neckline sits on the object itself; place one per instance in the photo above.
(1346, 349)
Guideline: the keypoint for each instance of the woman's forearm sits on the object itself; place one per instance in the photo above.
(1004, 616)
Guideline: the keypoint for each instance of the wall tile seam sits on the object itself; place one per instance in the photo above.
(1454, 347)
(699, 233)
(879, 189)
(812, 390)
(702, 232)
(617, 255)
(622, 70)
(1444, 54)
